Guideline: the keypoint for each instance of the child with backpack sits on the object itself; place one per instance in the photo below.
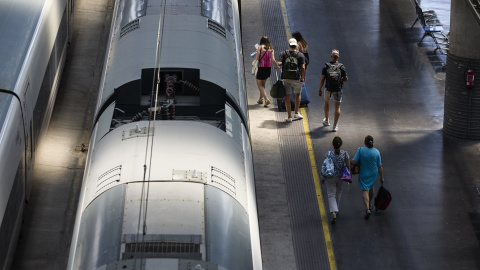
(293, 75)
(338, 159)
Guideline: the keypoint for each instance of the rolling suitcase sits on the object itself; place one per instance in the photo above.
(303, 101)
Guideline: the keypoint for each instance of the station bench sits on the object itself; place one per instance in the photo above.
(432, 27)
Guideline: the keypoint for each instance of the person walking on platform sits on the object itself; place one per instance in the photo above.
(333, 75)
(334, 184)
(265, 56)
(370, 167)
(293, 75)
(302, 46)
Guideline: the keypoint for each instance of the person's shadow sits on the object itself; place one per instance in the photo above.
(320, 132)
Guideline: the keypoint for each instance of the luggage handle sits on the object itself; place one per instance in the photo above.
(276, 73)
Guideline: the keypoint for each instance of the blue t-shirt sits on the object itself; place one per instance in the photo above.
(369, 161)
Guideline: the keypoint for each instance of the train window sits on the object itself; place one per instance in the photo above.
(233, 126)
(173, 82)
(104, 122)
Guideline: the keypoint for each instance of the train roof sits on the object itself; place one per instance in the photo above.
(18, 20)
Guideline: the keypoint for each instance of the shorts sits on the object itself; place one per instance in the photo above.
(295, 84)
(337, 96)
(263, 73)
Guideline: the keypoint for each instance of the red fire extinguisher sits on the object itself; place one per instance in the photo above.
(470, 76)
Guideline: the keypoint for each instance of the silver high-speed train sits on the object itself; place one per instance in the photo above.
(33, 40)
(169, 180)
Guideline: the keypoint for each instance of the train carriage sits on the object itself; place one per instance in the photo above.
(34, 37)
(169, 177)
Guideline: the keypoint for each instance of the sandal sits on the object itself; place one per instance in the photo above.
(267, 102)
(260, 101)
(367, 213)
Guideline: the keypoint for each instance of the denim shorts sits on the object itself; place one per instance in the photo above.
(337, 96)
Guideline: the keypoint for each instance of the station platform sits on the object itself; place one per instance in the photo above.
(395, 93)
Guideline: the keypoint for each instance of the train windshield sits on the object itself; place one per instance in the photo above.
(18, 19)
(216, 10)
(5, 101)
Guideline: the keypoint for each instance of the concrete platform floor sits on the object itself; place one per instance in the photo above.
(395, 93)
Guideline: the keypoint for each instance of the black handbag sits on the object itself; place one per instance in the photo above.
(383, 199)
(278, 89)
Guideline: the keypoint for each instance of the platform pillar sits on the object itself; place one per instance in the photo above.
(462, 104)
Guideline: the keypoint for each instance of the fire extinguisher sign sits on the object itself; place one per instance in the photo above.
(469, 78)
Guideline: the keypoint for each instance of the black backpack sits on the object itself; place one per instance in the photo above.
(290, 68)
(383, 199)
(334, 77)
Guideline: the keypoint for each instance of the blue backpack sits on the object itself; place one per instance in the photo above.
(328, 169)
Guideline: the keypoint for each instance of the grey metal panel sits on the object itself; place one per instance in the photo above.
(179, 238)
(100, 232)
(131, 10)
(192, 264)
(18, 20)
(184, 7)
(227, 231)
(216, 10)
(252, 202)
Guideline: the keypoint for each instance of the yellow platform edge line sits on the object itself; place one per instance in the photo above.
(285, 18)
(316, 180)
(313, 164)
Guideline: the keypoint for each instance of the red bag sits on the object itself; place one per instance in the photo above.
(383, 199)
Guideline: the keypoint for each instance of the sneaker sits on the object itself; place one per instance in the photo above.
(335, 129)
(288, 119)
(326, 123)
(333, 218)
(298, 115)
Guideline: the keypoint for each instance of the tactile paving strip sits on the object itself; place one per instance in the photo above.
(307, 231)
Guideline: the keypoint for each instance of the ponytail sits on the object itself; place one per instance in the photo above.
(337, 142)
(369, 141)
